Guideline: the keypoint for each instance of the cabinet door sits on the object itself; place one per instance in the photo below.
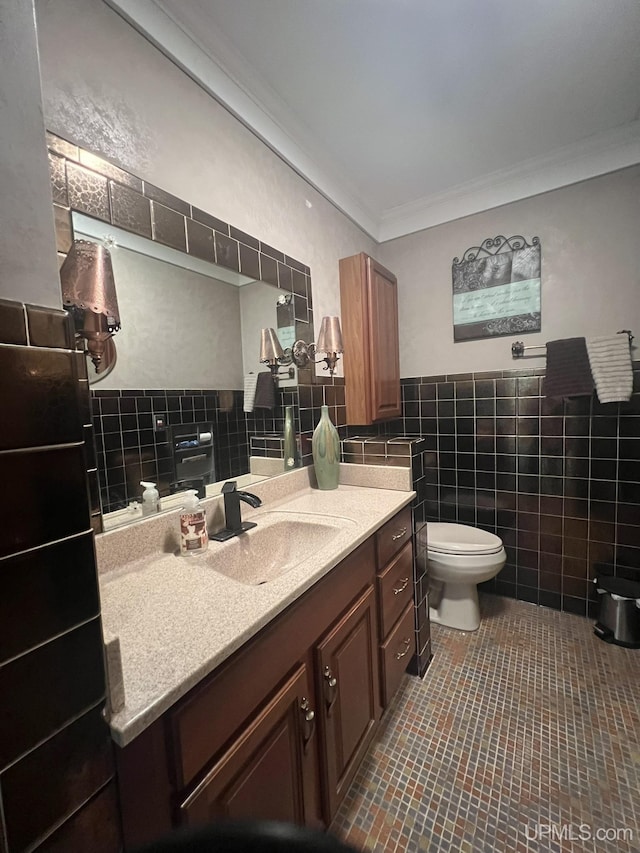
(262, 774)
(369, 309)
(348, 698)
(383, 342)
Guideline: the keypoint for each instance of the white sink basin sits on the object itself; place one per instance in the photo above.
(280, 542)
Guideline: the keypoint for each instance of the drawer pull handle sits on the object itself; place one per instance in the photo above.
(406, 643)
(399, 534)
(330, 689)
(398, 589)
(308, 722)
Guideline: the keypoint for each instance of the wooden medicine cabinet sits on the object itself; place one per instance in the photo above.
(369, 313)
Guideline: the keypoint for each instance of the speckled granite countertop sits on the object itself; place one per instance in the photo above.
(177, 618)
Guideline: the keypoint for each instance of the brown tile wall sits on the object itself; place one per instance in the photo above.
(55, 750)
(558, 481)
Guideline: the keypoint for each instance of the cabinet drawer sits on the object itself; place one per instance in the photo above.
(395, 589)
(394, 534)
(396, 653)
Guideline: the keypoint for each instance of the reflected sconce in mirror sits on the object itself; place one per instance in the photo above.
(272, 354)
(329, 342)
(89, 294)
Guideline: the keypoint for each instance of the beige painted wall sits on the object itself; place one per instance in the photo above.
(589, 233)
(27, 241)
(180, 329)
(110, 90)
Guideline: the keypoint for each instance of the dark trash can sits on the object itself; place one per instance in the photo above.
(619, 617)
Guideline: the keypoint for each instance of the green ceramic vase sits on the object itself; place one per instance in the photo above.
(290, 446)
(325, 446)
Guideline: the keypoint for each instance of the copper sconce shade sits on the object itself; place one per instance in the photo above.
(89, 294)
(270, 347)
(329, 341)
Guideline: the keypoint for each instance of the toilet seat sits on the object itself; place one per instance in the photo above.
(449, 538)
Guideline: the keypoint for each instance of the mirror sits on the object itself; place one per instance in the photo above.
(182, 325)
(171, 411)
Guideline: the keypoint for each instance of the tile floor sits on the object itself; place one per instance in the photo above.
(520, 736)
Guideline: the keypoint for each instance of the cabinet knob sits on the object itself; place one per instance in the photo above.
(399, 534)
(308, 722)
(330, 689)
(406, 643)
(403, 585)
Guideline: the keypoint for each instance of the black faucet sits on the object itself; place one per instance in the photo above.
(233, 523)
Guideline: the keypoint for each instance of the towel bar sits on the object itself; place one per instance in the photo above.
(518, 348)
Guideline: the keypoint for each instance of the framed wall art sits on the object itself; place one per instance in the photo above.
(496, 289)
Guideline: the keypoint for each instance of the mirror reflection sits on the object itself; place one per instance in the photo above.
(193, 295)
(172, 409)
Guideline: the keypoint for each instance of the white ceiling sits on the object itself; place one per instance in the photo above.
(407, 113)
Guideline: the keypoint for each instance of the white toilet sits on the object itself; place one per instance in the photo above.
(460, 557)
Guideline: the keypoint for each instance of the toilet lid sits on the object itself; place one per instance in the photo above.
(446, 538)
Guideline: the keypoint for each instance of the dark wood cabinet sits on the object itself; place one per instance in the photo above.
(394, 549)
(369, 315)
(349, 705)
(262, 774)
(278, 731)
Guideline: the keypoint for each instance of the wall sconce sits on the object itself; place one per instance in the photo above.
(272, 354)
(89, 294)
(329, 342)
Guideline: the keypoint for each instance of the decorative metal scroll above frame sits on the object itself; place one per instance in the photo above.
(496, 289)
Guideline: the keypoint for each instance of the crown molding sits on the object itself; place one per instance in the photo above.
(253, 103)
(598, 155)
(236, 85)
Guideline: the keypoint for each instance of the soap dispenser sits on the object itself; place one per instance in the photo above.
(150, 498)
(193, 526)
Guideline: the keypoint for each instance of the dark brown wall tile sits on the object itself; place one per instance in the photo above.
(295, 264)
(49, 328)
(46, 688)
(47, 500)
(54, 780)
(243, 237)
(165, 198)
(13, 329)
(209, 220)
(95, 827)
(130, 210)
(227, 252)
(273, 253)
(200, 241)
(168, 227)
(268, 269)
(40, 405)
(284, 277)
(55, 585)
(298, 283)
(88, 192)
(249, 262)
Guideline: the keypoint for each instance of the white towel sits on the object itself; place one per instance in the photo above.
(610, 360)
(250, 382)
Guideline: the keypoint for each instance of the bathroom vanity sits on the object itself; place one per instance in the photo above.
(269, 711)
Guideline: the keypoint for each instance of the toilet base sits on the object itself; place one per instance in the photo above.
(458, 607)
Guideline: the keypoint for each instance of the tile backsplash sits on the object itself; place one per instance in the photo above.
(130, 449)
